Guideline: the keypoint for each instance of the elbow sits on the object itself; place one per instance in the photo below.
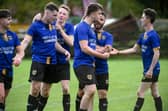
(84, 49)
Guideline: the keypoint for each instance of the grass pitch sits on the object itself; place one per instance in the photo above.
(125, 77)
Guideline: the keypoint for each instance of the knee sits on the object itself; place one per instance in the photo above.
(155, 94)
(45, 93)
(140, 94)
(2, 98)
(91, 92)
(80, 93)
(35, 91)
(65, 89)
(102, 93)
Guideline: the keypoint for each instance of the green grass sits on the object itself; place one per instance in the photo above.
(125, 76)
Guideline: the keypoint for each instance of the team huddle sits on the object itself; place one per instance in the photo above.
(52, 36)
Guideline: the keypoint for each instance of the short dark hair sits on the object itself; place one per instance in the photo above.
(51, 6)
(5, 13)
(150, 13)
(93, 7)
(65, 7)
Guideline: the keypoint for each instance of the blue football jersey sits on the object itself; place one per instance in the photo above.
(147, 42)
(83, 31)
(43, 41)
(69, 30)
(102, 40)
(7, 51)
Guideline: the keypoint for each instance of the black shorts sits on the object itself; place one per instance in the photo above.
(102, 81)
(51, 74)
(6, 80)
(43, 72)
(63, 71)
(153, 79)
(85, 75)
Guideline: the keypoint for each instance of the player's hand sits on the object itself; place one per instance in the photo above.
(105, 55)
(17, 61)
(37, 17)
(59, 27)
(148, 74)
(107, 48)
(114, 51)
(68, 55)
(100, 49)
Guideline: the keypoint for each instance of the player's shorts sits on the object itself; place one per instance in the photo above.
(85, 75)
(153, 79)
(43, 72)
(6, 80)
(102, 81)
(63, 71)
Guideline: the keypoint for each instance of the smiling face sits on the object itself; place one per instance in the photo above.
(51, 15)
(63, 15)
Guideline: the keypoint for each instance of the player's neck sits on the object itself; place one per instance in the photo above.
(44, 19)
(148, 27)
(2, 30)
(62, 23)
(88, 20)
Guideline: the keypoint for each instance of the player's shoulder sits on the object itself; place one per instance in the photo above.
(10, 32)
(153, 33)
(82, 26)
(69, 25)
(37, 23)
(107, 33)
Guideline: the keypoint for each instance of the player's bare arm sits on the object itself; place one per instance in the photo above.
(155, 59)
(25, 42)
(85, 48)
(60, 49)
(19, 55)
(134, 49)
(68, 38)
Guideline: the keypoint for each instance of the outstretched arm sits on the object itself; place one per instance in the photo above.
(134, 49)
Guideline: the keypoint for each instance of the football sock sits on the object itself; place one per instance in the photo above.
(42, 102)
(2, 106)
(139, 104)
(66, 102)
(78, 100)
(82, 110)
(158, 103)
(103, 104)
(32, 103)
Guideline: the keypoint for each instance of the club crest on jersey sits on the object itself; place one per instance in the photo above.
(4, 71)
(9, 37)
(107, 81)
(89, 76)
(145, 36)
(99, 36)
(34, 72)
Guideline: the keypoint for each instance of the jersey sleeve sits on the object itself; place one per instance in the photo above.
(31, 30)
(139, 41)
(109, 40)
(70, 30)
(82, 33)
(16, 40)
(155, 41)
